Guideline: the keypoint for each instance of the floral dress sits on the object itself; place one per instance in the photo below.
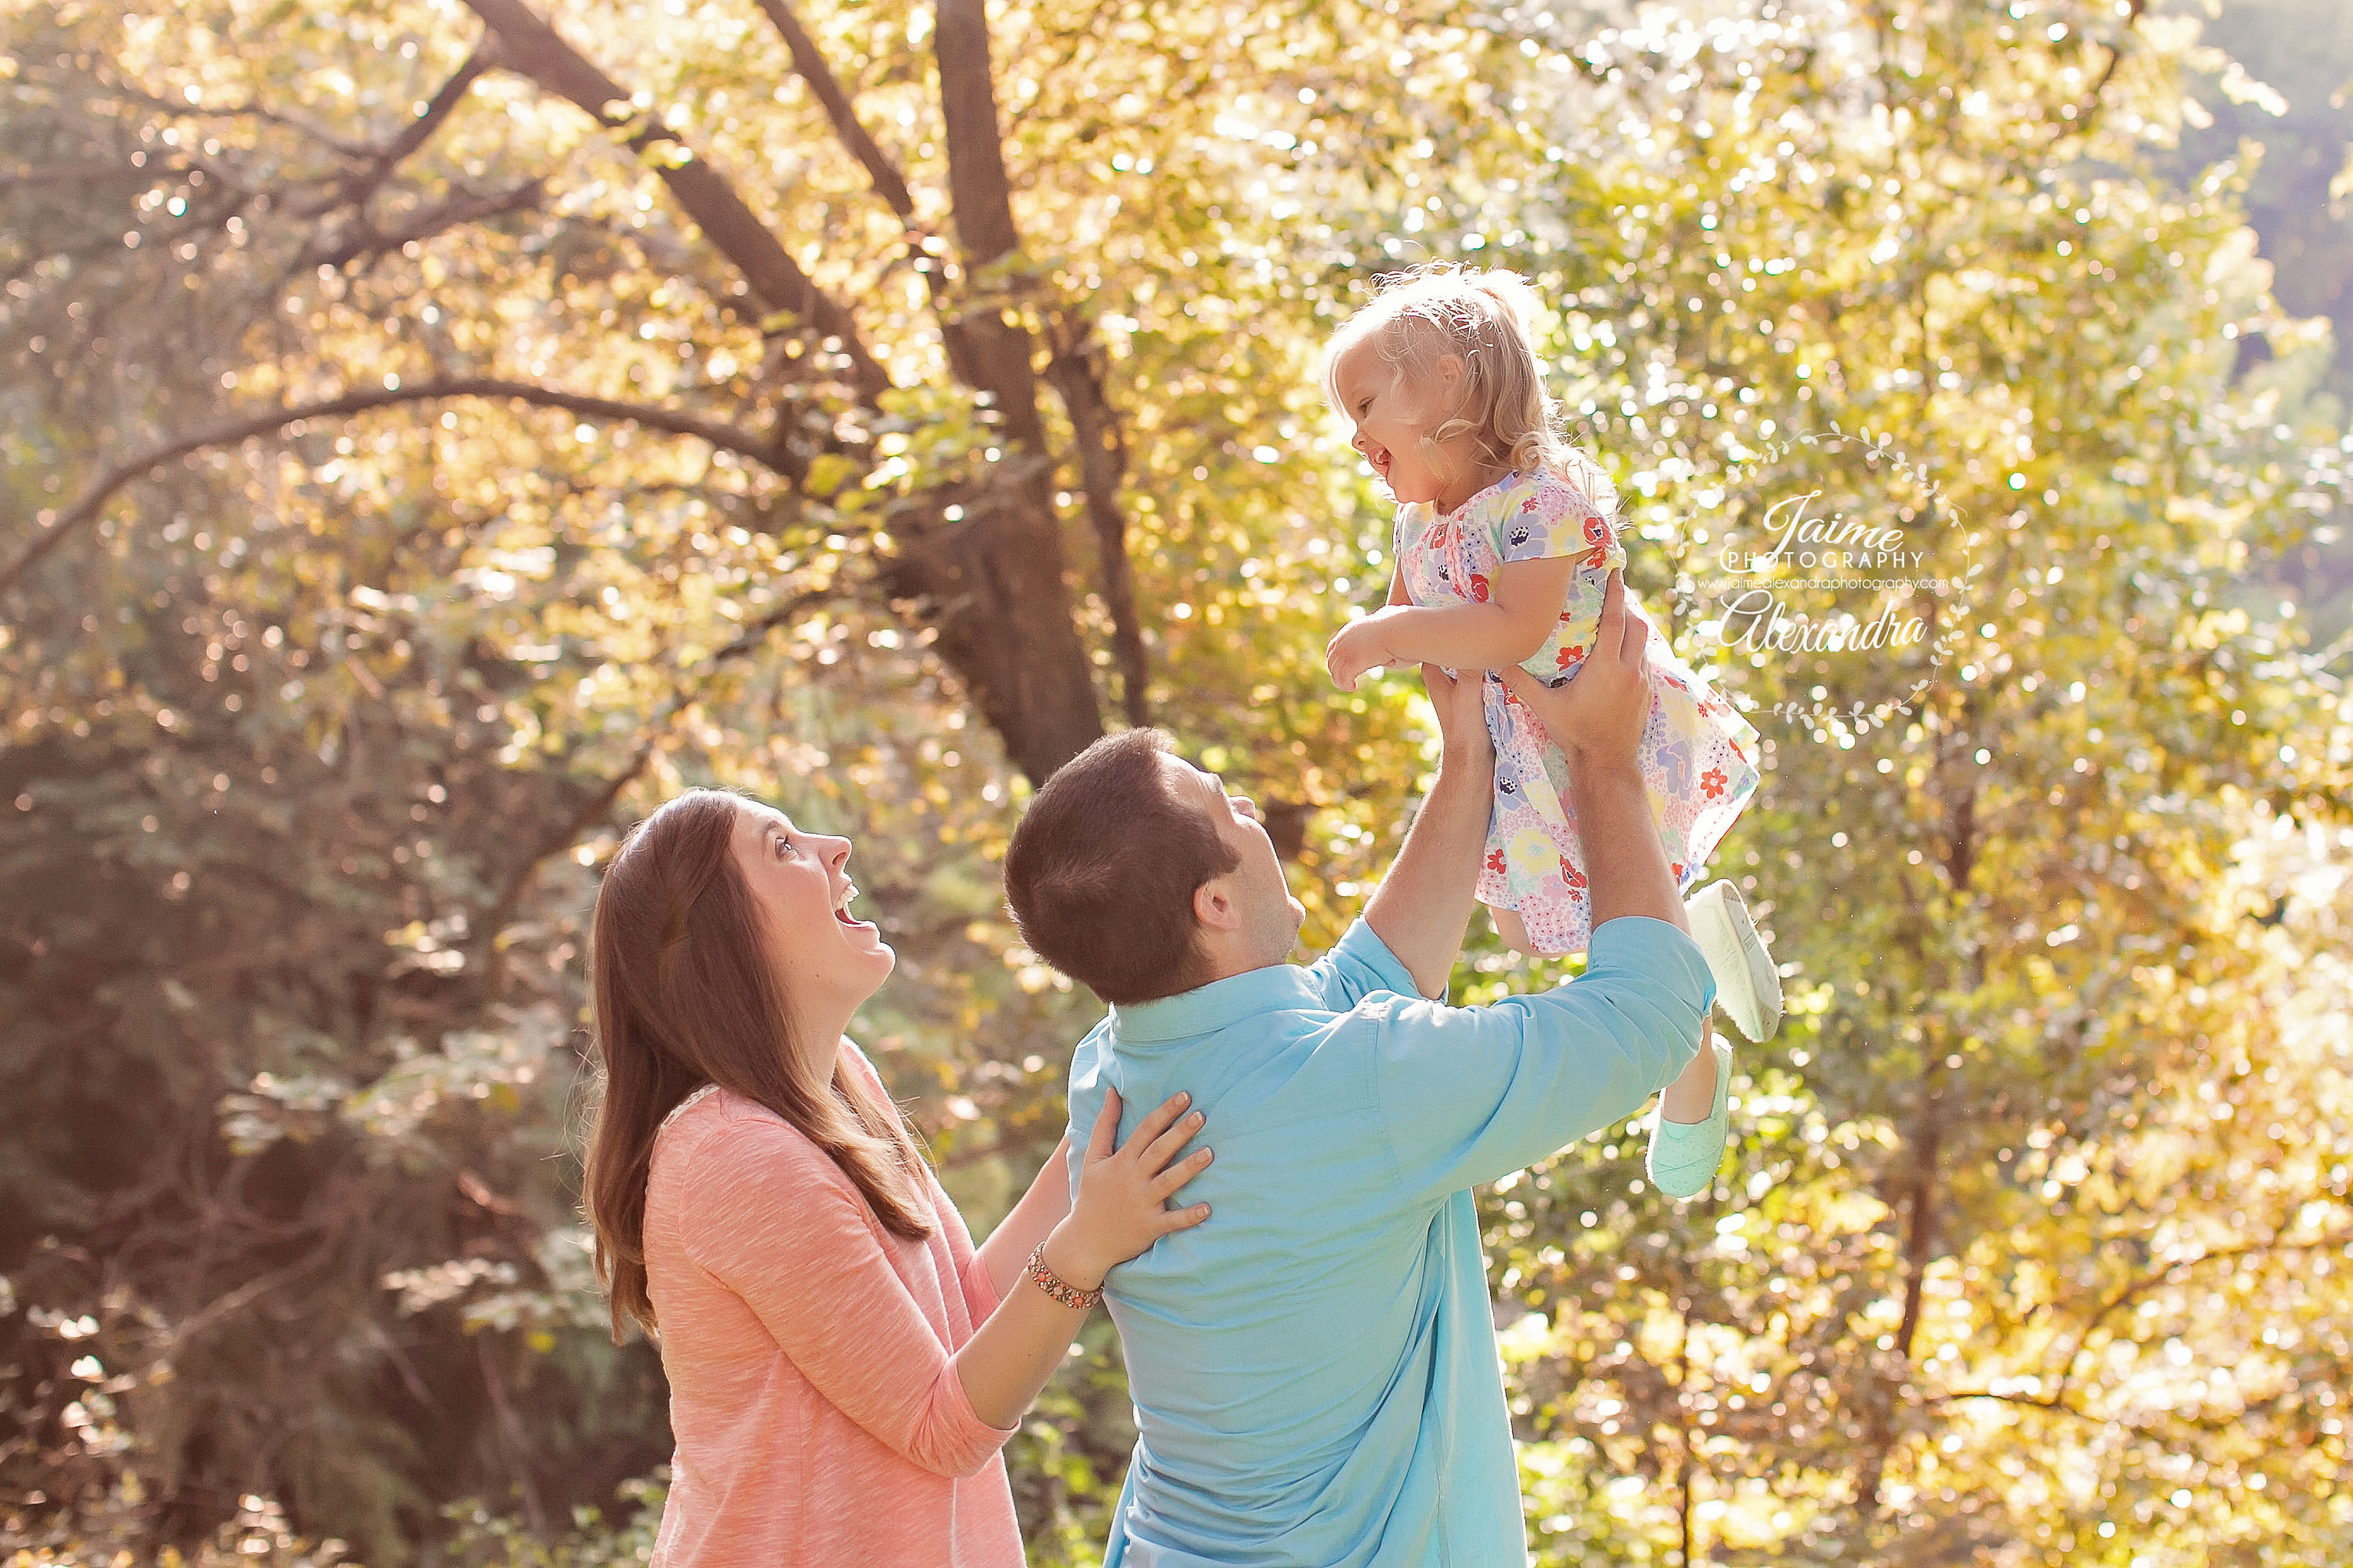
(1697, 753)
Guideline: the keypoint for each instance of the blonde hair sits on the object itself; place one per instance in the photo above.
(1420, 316)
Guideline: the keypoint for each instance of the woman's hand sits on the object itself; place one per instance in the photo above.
(1123, 1203)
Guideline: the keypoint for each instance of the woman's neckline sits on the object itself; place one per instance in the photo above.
(681, 1107)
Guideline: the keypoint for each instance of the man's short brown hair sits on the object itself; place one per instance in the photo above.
(1102, 871)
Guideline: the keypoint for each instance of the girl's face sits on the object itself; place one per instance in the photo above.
(1392, 418)
(830, 963)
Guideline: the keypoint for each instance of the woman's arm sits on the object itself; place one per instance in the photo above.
(1523, 603)
(1041, 1208)
(777, 1224)
(1122, 1209)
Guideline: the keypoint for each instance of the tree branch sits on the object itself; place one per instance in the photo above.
(980, 190)
(1103, 465)
(534, 47)
(376, 165)
(1919, 1234)
(600, 801)
(888, 182)
(591, 809)
(2126, 1294)
(749, 639)
(55, 526)
(439, 108)
(2089, 107)
(361, 238)
(2116, 58)
(2050, 1402)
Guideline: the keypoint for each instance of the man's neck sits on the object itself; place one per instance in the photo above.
(1237, 960)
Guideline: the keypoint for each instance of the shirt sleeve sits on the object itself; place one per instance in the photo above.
(777, 1224)
(1094, 1073)
(1359, 965)
(1552, 518)
(1467, 1094)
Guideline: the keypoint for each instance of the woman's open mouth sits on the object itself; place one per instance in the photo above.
(841, 909)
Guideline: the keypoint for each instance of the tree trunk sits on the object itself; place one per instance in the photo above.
(991, 580)
(1001, 579)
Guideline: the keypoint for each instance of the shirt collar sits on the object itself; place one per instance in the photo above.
(1205, 1009)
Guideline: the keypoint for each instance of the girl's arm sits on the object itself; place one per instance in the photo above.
(1041, 1208)
(1523, 603)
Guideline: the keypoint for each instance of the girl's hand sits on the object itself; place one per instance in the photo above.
(1357, 648)
(1123, 1203)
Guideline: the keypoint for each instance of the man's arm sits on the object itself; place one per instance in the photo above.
(1469, 1093)
(1597, 720)
(1424, 904)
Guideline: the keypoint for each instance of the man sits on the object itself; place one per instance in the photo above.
(1314, 1371)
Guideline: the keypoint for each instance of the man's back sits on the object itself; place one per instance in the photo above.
(1315, 1370)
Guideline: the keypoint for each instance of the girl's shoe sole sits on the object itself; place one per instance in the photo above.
(1747, 986)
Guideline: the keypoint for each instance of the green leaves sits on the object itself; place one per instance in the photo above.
(314, 743)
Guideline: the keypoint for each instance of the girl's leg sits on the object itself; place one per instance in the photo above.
(1692, 1096)
(1514, 930)
(1690, 1128)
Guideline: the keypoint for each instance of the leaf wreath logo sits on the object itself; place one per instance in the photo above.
(1798, 554)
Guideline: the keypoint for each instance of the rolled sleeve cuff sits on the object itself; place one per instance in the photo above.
(951, 1439)
(1639, 946)
(1362, 963)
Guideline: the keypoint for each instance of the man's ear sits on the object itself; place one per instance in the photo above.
(1215, 905)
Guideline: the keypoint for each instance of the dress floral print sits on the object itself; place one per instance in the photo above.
(1697, 753)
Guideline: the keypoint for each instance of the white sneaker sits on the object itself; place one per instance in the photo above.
(1747, 986)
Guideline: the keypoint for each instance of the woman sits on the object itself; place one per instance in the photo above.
(843, 1366)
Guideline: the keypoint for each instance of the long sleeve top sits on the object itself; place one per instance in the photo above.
(1314, 1371)
(819, 1417)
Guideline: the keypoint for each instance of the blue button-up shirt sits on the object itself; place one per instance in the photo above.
(1314, 1369)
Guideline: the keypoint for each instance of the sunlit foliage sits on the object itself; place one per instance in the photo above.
(504, 487)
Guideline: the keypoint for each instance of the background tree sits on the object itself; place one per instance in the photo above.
(436, 433)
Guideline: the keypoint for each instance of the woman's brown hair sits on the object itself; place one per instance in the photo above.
(686, 994)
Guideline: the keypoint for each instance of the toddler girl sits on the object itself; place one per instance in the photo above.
(1505, 539)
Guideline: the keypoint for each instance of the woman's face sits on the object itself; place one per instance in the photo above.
(830, 963)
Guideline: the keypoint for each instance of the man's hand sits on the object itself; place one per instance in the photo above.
(1597, 716)
(1356, 649)
(1461, 712)
(1597, 720)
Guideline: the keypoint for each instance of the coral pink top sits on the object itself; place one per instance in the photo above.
(819, 1421)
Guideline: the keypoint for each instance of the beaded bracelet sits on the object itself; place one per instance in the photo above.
(1053, 1284)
